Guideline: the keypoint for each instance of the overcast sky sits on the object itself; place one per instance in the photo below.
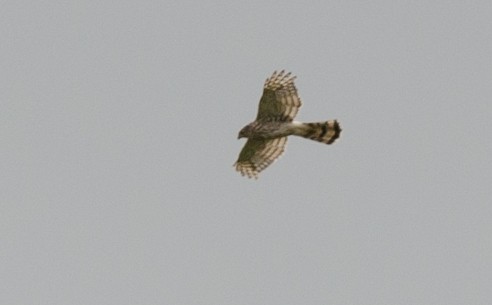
(119, 124)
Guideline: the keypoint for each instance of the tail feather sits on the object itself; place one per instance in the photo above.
(324, 132)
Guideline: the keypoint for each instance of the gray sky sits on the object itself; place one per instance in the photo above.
(118, 127)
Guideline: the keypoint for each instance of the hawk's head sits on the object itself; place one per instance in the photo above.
(245, 132)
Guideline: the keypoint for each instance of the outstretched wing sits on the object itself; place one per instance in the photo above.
(258, 154)
(279, 101)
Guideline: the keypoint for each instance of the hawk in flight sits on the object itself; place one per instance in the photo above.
(267, 135)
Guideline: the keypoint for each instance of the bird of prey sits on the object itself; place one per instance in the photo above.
(267, 135)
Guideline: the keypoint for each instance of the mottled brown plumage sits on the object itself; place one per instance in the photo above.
(267, 135)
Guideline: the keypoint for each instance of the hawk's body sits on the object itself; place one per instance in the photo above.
(267, 135)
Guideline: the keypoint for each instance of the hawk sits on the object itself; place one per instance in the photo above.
(267, 135)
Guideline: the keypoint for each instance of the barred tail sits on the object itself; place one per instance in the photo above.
(324, 132)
